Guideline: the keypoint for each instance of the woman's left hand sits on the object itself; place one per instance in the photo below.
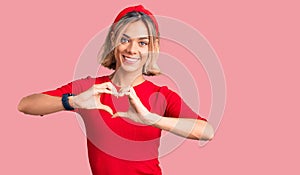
(137, 111)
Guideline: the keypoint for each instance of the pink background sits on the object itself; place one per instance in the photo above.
(258, 46)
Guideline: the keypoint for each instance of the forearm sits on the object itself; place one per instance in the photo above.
(185, 127)
(40, 104)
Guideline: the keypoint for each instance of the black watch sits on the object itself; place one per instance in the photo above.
(65, 102)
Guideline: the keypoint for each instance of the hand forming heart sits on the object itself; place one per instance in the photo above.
(90, 99)
(137, 112)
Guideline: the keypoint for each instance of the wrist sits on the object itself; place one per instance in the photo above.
(71, 101)
(67, 101)
(153, 118)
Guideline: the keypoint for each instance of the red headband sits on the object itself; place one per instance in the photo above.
(138, 8)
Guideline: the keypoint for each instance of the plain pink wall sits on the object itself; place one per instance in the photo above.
(257, 43)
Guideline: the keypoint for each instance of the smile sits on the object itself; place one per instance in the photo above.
(130, 60)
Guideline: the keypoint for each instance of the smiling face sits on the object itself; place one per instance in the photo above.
(131, 52)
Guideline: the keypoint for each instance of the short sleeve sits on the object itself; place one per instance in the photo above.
(60, 91)
(176, 107)
(74, 87)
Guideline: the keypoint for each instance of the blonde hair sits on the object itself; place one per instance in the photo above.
(106, 56)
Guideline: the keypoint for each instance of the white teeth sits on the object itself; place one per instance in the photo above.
(131, 59)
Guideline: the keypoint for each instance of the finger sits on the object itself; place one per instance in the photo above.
(123, 91)
(131, 94)
(106, 85)
(132, 91)
(120, 114)
(101, 91)
(121, 94)
(106, 108)
(126, 91)
(114, 91)
(112, 88)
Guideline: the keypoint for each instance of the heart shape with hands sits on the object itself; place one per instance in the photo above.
(137, 112)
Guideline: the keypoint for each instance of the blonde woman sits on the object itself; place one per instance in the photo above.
(124, 113)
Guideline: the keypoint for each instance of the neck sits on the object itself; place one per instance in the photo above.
(123, 78)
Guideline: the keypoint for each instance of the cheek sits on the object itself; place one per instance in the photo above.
(119, 48)
(144, 55)
(144, 52)
(118, 51)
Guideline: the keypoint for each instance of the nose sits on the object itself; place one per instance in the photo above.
(132, 48)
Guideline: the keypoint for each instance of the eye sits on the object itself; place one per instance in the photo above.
(143, 43)
(124, 40)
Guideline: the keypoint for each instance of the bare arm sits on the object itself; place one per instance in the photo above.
(40, 104)
(186, 127)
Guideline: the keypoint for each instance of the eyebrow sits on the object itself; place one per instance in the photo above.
(138, 38)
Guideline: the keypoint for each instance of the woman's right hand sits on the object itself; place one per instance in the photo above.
(90, 99)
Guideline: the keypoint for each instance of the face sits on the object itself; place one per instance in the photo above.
(131, 52)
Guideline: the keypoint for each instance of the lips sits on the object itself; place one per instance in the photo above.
(130, 60)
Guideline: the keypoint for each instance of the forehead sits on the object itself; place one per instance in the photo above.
(136, 30)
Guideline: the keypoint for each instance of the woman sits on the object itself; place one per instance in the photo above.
(124, 113)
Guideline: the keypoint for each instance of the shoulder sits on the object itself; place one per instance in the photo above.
(152, 87)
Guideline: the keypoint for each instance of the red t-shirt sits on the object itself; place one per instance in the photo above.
(120, 146)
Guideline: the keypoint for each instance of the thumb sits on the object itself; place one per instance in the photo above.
(106, 108)
(120, 114)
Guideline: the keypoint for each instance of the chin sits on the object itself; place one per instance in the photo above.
(131, 68)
